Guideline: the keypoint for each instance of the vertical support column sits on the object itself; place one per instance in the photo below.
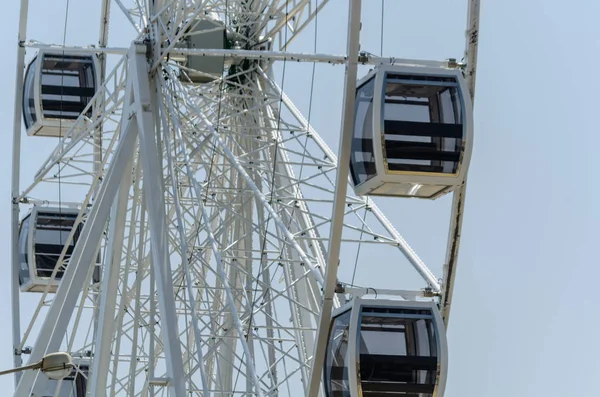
(102, 41)
(458, 199)
(16, 174)
(472, 45)
(110, 282)
(105, 302)
(339, 203)
(152, 338)
(157, 219)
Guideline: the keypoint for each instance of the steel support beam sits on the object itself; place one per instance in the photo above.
(458, 200)
(185, 262)
(339, 203)
(254, 54)
(16, 174)
(155, 202)
(216, 252)
(305, 290)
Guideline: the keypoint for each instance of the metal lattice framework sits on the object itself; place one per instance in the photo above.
(211, 206)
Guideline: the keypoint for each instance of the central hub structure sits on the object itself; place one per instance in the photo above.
(209, 32)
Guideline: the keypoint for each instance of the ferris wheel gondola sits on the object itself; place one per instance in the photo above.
(386, 347)
(57, 88)
(43, 234)
(413, 132)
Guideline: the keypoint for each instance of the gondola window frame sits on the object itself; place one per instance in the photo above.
(24, 252)
(85, 76)
(356, 307)
(364, 132)
(51, 126)
(346, 388)
(34, 282)
(30, 114)
(406, 338)
(382, 112)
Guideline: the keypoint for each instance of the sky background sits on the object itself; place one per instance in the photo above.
(524, 319)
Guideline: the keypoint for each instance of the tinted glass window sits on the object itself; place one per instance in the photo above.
(397, 354)
(336, 359)
(29, 116)
(23, 254)
(423, 129)
(362, 161)
(68, 85)
(51, 234)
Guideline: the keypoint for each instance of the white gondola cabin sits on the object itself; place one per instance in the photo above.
(42, 236)
(386, 348)
(413, 132)
(57, 88)
(74, 385)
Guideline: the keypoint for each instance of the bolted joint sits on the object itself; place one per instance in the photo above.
(452, 63)
(363, 57)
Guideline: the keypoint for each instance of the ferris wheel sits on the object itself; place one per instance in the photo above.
(194, 244)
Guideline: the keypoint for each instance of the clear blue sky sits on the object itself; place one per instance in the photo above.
(524, 318)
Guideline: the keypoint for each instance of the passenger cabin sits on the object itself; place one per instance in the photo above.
(203, 33)
(42, 236)
(74, 385)
(386, 348)
(57, 88)
(413, 132)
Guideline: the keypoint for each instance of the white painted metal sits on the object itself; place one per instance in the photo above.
(355, 292)
(471, 47)
(216, 247)
(62, 307)
(281, 225)
(197, 338)
(14, 192)
(303, 318)
(154, 196)
(109, 289)
(458, 201)
(229, 54)
(339, 203)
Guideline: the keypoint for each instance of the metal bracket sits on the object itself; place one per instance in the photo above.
(363, 57)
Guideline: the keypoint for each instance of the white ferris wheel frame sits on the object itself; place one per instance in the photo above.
(139, 101)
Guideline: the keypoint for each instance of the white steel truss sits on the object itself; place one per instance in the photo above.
(211, 206)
